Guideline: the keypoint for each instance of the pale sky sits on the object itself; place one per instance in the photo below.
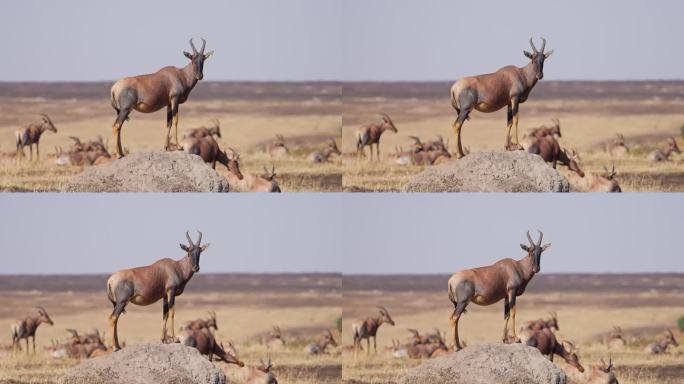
(47, 233)
(444, 233)
(379, 40)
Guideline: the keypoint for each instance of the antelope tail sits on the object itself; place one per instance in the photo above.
(115, 104)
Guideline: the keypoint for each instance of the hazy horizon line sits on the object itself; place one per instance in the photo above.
(329, 81)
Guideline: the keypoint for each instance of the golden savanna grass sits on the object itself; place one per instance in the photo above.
(588, 307)
(302, 305)
(250, 115)
(591, 114)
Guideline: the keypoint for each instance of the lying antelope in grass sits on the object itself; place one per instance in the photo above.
(602, 374)
(277, 148)
(265, 182)
(617, 147)
(420, 153)
(420, 347)
(661, 345)
(204, 341)
(593, 182)
(545, 341)
(509, 86)
(93, 152)
(213, 131)
(169, 87)
(370, 134)
(368, 328)
(323, 155)
(319, 346)
(550, 150)
(615, 340)
(539, 324)
(165, 279)
(544, 130)
(274, 338)
(259, 374)
(208, 149)
(663, 154)
(198, 324)
(30, 135)
(506, 279)
(26, 328)
(80, 346)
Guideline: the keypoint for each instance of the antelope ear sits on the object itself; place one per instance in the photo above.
(205, 246)
(546, 246)
(527, 54)
(184, 247)
(206, 55)
(525, 247)
(188, 55)
(547, 54)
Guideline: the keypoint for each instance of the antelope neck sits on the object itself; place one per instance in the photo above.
(528, 266)
(530, 74)
(186, 266)
(189, 75)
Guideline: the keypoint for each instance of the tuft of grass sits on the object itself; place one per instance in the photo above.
(680, 323)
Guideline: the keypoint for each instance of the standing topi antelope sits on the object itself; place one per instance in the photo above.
(169, 87)
(30, 135)
(509, 86)
(506, 279)
(165, 279)
(369, 328)
(26, 328)
(370, 134)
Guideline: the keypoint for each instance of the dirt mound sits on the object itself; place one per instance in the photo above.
(145, 364)
(490, 171)
(485, 364)
(150, 172)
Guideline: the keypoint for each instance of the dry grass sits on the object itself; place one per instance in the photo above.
(242, 316)
(585, 124)
(585, 317)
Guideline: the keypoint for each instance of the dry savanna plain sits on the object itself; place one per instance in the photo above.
(591, 114)
(246, 306)
(250, 116)
(588, 306)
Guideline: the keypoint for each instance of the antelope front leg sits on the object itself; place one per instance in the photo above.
(513, 309)
(37, 152)
(172, 309)
(515, 105)
(33, 339)
(169, 122)
(375, 345)
(165, 316)
(368, 346)
(27, 346)
(174, 111)
(507, 315)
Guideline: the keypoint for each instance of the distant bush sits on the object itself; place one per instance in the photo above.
(680, 323)
(681, 130)
(339, 323)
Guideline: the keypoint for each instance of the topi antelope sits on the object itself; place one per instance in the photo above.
(593, 182)
(169, 87)
(537, 325)
(274, 338)
(369, 328)
(80, 347)
(319, 347)
(602, 374)
(548, 148)
(204, 341)
(509, 86)
(370, 134)
(277, 147)
(545, 341)
(198, 324)
(30, 135)
(660, 346)
(323, 155)
(165, 279)
(615, 340)
(26, 328)
(418, 351)
(542, 131)
(617, 147)
(506, 279)
(259, 374)
(214, 131)
(208, 149)
(663, 154)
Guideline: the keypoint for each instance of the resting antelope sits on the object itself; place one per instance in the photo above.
(506, 279)
(594, 182)
(509, 86)
(30, 135)
(277, 148)
(274, 338)
(615, 339)
(545, 341)
(663, 154)
(198, 324)
(165, 279)
(259, 374)
(368, 329)
(204, 341)
(169, 87)
(537, 325)
(26, 328)
(660, 346)
(617, 147)
(544, 130)
(325, 153)
(214, 131)
(548, 148)
(602, 374)
(319, 347)
(418, 351)
(208, 149)
(370, 134)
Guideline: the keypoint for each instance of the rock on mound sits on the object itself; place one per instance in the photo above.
(486, 364)
(150, 172)
(490, 171)
(147, 364)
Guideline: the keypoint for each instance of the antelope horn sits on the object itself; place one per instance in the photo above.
(529, 238)
(204, 44)
(41, 309)
(187, 235)
(531, 44)
(75, 139)
(199, 239)
(415, 138)
(194, 50)
(541, 235)
(543, 44)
